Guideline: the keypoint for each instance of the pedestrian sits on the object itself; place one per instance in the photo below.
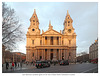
(7, 65)
(33, 63)
(54, 63)
(18, 64)
(26, 63)
(21, 64)
(12, 65)
(15, 64)
(2, 65)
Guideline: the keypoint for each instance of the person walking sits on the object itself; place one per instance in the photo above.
(18, 64)
(13, 66)
(21, 65)
(7, 65)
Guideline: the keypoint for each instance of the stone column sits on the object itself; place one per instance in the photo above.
(27, 55)
(44, 54)
(49, 54)
(59, 40)
(61, 54)
(64, 54)
(48, 40)
(55, 41)
(36, 54)
(43, 40)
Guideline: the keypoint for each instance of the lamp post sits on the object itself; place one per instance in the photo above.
(75, 59)
(13, 57)
(20, 58)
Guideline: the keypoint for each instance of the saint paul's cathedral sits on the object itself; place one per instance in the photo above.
(51, 44)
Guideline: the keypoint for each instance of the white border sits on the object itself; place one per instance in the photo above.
(21, 74)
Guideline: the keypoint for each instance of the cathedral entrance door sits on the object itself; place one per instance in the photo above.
(40, 57)
(51, 54)
(51, 57)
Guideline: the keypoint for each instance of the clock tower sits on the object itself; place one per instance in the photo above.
(68, 27)
(34, 25)
(69, 37)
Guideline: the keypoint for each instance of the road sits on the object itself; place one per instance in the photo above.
(72, 68)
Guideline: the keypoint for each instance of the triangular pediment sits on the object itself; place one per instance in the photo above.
(51, 32)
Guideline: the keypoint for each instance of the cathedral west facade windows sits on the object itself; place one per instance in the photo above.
(50, 45)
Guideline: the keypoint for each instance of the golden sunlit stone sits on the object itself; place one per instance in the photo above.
(50, 45)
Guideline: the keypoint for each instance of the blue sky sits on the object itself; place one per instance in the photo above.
(84, 15)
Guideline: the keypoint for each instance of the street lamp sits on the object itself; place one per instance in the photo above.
(75, 59)
(13, 57)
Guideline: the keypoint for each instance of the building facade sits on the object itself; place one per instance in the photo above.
(13, 57)
(83, 58)
(50, 45)
(93, 50)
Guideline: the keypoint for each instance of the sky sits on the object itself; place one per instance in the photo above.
(84, 15)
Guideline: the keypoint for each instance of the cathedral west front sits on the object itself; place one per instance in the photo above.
(51, 44)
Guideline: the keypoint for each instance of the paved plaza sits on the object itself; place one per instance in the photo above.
(72, 68)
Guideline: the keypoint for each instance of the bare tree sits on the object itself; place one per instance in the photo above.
(11, 28)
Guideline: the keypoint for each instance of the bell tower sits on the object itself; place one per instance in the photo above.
(68, 27)
(68, 31)
(34, 25)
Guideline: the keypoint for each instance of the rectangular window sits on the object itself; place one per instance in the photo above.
(32, 41)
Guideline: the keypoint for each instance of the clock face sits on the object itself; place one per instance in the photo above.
(69, 30)
(33, 29)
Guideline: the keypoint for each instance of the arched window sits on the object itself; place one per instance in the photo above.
(68, 21)
(33, 20)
